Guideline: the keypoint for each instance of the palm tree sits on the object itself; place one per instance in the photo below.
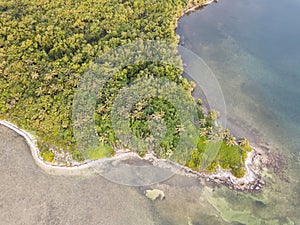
(35, 75)
(137, 114)
(39, 91)
(203, 132)
(179, 128)
(101, 108)
(243, 142)
(209, 130)
(230, 141)
(141, 105)
(226, 134)
(102, 139)
(157, 116)
(202, 122)
(213, 115)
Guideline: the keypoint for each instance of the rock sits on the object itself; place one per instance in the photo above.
(154, 194)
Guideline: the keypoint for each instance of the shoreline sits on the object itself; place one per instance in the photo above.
(254, 162)
(251, 181)
(195, 7)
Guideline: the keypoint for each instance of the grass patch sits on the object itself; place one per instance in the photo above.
(47, 156)
(101, 151)
(211, 155)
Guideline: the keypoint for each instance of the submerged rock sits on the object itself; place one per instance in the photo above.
(154, 194)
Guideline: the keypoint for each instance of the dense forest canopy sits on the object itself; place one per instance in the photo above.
(45, 48)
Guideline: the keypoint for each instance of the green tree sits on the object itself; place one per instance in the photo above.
(213, 115)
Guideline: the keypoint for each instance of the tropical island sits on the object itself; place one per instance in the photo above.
(45, 48)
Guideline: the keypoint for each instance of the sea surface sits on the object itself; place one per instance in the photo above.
(252, 47)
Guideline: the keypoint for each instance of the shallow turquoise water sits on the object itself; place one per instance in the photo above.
(253, 49)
